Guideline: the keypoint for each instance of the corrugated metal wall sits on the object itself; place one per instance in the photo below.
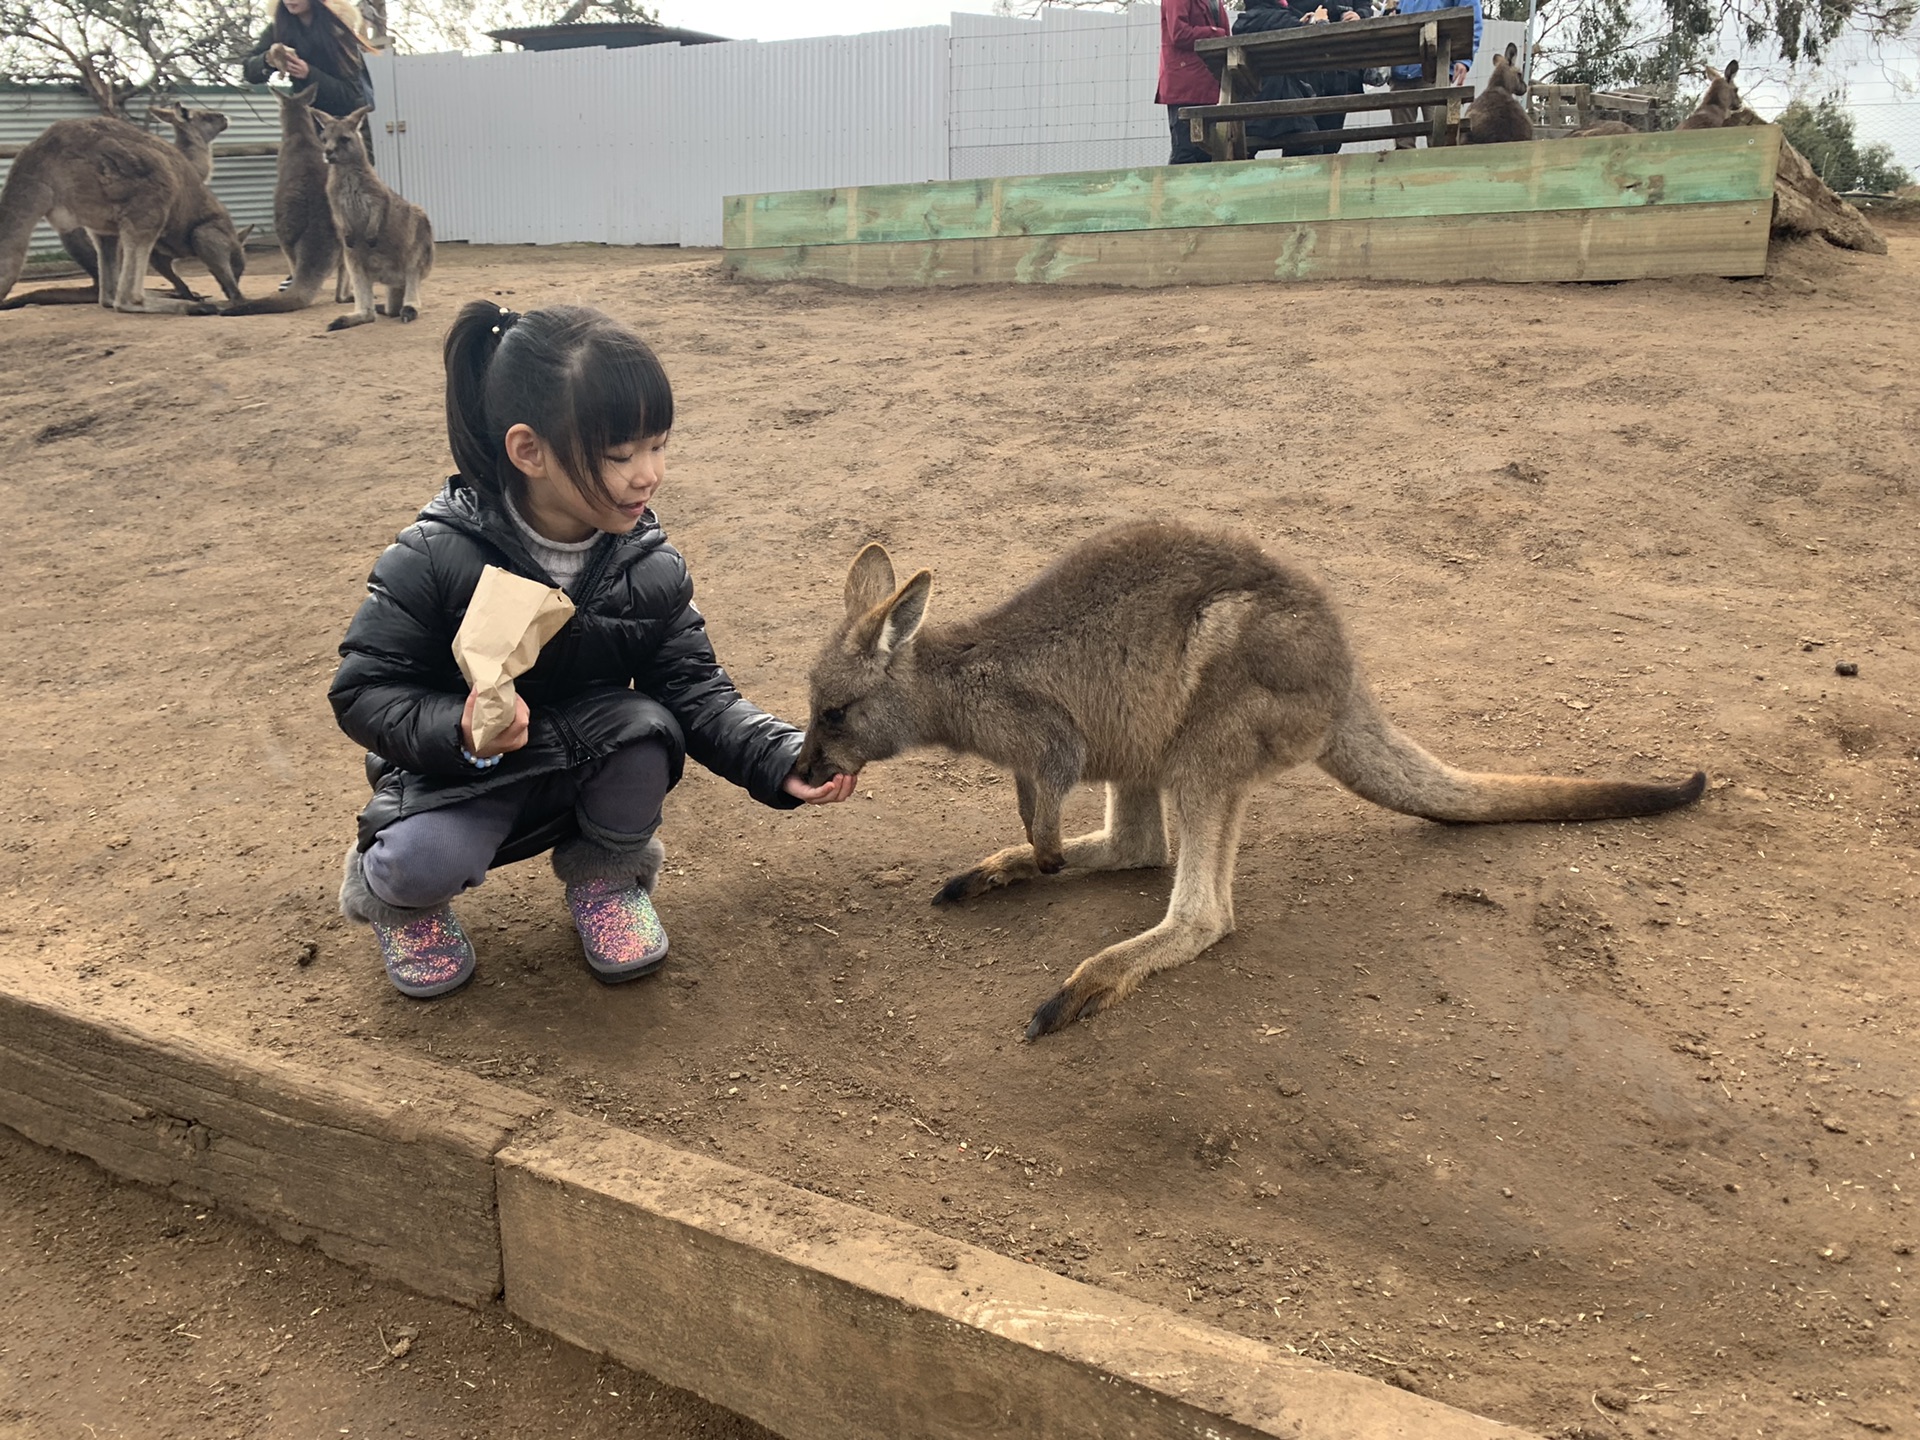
(638, 146)
(1072, 90)
(243, 183)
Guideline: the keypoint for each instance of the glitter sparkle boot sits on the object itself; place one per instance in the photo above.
(619, 929)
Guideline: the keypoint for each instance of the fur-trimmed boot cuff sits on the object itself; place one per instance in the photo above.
(358, 902)
(581, 859)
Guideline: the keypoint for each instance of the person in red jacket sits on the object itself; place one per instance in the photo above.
(1184, 76)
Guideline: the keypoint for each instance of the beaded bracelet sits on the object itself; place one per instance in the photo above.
(477, 763)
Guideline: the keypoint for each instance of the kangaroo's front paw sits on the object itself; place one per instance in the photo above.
(407, 313)
(202, 307)
(1049, 862)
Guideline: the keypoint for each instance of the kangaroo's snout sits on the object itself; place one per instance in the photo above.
(813, 766)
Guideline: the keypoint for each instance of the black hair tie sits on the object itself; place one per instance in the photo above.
(508, 319)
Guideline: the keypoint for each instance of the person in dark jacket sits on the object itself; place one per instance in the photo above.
(319, 42)
(1279, 132)
(558, 421)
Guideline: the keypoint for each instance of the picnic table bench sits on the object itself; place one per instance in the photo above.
(1433, 40)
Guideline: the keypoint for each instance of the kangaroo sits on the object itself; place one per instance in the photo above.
(1177, 665)
(1720, 101)
(118, 182)
(193, 134)
(387, 238)
(1497, 115)
(302, 218)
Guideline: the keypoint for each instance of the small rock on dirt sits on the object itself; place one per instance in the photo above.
(1290, 1088)
(1613, 1399)
(1846, 667)
(1835, 1254)
(305, 952)
(1837, 1126)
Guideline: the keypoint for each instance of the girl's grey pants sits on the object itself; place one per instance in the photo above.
(428, 858)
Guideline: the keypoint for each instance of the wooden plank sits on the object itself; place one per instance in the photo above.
(1343, 45)
(1674, 168)
(1304, 138)
(1325, 104)
(823, 1321)
(1620, 244)
(381, 1161)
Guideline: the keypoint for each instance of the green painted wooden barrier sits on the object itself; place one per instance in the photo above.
(1690, 167)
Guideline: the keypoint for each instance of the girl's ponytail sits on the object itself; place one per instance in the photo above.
(470, 348)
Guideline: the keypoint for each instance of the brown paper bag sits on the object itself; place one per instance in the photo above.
(509, 618)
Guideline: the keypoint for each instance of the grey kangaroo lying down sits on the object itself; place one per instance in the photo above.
(1180, 667)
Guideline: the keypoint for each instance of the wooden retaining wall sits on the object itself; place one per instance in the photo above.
(1629, 207)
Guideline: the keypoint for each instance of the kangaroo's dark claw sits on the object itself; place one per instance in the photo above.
(964, 886)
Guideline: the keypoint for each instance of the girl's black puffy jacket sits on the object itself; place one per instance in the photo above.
(634, 663)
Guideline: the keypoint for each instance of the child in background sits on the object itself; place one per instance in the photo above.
(558, 421)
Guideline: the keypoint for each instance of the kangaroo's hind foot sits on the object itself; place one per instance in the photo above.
(1134, 838)
(1199, 913)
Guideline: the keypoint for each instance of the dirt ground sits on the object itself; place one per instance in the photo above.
(130, 1314)
(1608, 1130)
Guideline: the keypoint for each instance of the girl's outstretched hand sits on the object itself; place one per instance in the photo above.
(839, 788)
(512, 738)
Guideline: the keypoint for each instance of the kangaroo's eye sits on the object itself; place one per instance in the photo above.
(833, 716)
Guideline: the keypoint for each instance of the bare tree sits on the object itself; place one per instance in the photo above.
(116, 49)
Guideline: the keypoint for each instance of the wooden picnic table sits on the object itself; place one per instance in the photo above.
(1432, 39)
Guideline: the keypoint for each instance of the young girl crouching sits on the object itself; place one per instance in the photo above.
(558, 421)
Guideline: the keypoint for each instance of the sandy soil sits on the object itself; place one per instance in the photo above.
(1606, 1129)
(130, 1314)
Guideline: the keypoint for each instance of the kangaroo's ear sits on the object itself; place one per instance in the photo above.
(904, 613)
(352, 121)
(870, 581)
(1733, 68)
(1513, 52)
(242, 236)
(1713, 75)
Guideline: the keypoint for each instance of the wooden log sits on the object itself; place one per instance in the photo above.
(384, 1162)
(1327, 104)
(823, 1321)
(1636, 243)
(1804, 204)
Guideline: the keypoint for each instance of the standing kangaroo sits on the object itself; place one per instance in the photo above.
(1180, 666)
(193, 135)
(302, 216)
(387, 238)
(1497, 115)
(1720, 101)
(120, 185)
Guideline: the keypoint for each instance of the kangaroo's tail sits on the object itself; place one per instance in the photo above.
(66, 295)
(1372, 758)
(313, 267)
(23, 200)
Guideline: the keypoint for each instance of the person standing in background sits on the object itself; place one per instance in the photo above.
(1411, 77)
(1184, 76)
(315, 42)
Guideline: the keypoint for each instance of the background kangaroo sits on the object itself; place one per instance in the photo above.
(1720, 101)
(302, 217)
(1497, 114)
(1179, 666)
(119, 184)
(193, 135)
(387, 239)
